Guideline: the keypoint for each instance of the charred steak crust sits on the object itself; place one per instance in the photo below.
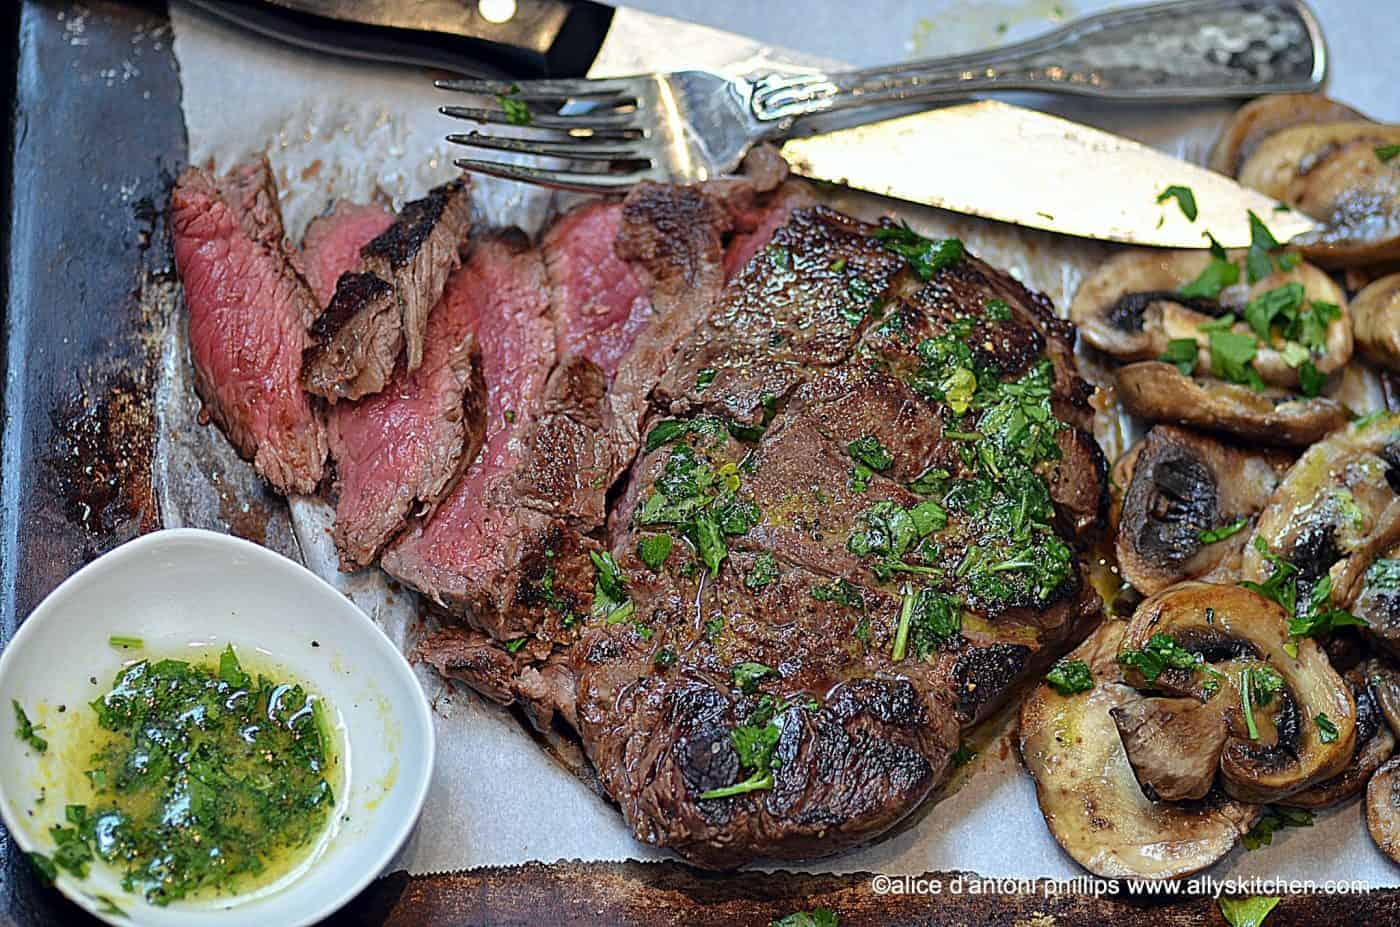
(248, 315)
(381, 311)
(868, 460)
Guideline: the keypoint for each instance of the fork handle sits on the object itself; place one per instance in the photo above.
(1168, 51)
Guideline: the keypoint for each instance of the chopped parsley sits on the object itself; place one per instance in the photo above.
(1387, 153)
(1215, 276)
(747, 675)
(1247, 702)
(1184, 198)
(1161, 653)
(1247, 912)
(515, 644)
(1276, 819)
(1215, 535)
(704, 378)
(125, 642)
(756, 742)
(780, 256)
(869, 451)
(763, 573)
(1266, 683)
(1259, 261)
(841, 592)
(817, 917)
(927, 620)
(610, 600)
(997, 310)
(1182, 353)
(1384, 575)
(701, 500)
(664, 657)
(963, 755)
(1231, 358)
(926, 256)
(28, 732)
(653, 551)
(1069, 677)
(888, 531)
(1326, 730)
(45, 866)
(517, 111)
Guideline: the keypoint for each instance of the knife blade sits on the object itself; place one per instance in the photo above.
(1005, 162)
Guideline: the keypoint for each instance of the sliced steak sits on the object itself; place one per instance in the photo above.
(479, 554)
(380, 311)
(248, 317)
(332, 243)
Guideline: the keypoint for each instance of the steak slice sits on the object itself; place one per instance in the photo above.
(381, 310)
(332, 243)
(866, 553)
(479, 554)
(248, 317)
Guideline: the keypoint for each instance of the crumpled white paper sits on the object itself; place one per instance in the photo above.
(334, 129)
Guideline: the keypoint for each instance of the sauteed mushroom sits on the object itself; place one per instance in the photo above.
(1378, 602)
(1132, 308)
(1265, 116)
(1189, 505)
(1173, 744)
(1302, 734)
(1335, 514)
(1375, 742)
(1160, 392)
(1375, 320)
(1090, 796)
(1383, 808)
(1335, 174)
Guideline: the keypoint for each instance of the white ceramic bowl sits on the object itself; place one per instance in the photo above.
(185, 590)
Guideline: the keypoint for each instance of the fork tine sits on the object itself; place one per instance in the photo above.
(579, 149)
(562, 180)
(595, 122)
(543, 89)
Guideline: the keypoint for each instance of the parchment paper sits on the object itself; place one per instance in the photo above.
(334, 128)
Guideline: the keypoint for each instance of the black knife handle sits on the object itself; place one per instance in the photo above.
(540, 38)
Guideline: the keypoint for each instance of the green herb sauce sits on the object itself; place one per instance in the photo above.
(205, 780)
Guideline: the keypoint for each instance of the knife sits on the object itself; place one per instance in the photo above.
(987, 159)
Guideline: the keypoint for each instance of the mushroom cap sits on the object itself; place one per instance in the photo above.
(1173, 744)
(1375, 320)
(1268, 115)
(1375, 743)
(1159, 392)
(1383, 808)
(1336, 512)
(1182, 484)
(1130, 307)
(1091, 798)
(1229, 623)
(1332, 173)
(1378, 604)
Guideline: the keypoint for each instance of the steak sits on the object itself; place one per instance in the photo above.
(854, 457)
(248, 315)
(332, 243)
(379, 311)
(479, 553)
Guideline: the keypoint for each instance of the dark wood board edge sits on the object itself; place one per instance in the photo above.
(90, 152)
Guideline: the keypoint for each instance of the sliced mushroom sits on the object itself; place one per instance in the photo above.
(1375, 320)
(1173, 744)
(1238, 628)
(1090, 796)
(1265, 116)
(1375, 742)
(1378, 602)
(1160, 392)
(1131, 308)
(1183, 485)
(1120, 477)
(1335, 514)
(1383, 808)
(1334, 174)
(1385, 683)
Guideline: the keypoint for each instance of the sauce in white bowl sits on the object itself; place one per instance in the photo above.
(189, 595)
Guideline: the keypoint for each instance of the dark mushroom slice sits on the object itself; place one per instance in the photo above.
(1266, 116)
(1189, 507)
(1385, 684)
(1334, 516)
(1375, 743)
(1131, 308)
(1173, 744)
(1120, 477)
(1383, 808)
(1378, 602)
(1159, 392)
(1276, 749)
(1375, 321)
(1334, 174)
(1090, 796)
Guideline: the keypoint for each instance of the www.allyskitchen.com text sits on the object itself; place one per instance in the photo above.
(1201, 886)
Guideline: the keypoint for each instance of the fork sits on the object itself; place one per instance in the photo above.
(694, 125)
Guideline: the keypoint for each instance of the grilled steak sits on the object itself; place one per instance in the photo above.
(248, 317)
(332, 243)
(379, 312)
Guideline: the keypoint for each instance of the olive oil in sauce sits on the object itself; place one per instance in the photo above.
(203, 779)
